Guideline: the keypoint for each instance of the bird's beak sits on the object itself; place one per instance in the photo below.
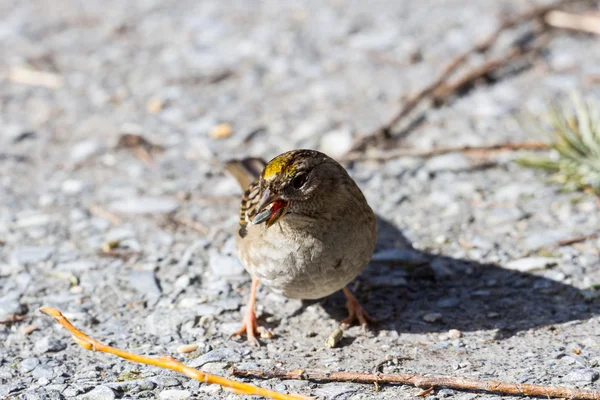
(270, 209)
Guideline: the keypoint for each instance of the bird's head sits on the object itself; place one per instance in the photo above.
(295, 180)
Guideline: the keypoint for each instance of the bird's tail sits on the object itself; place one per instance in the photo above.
(246, 170)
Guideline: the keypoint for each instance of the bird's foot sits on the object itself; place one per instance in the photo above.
(251, 328)
(356, 312)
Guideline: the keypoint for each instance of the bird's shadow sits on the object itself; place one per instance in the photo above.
(457, 293)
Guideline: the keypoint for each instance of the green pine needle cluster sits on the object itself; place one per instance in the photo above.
(574, 132)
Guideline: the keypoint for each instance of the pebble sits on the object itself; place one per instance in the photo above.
(28, 364)
(43, 371)
(529, 264)
(84, 150)
(221, 131)
(187, 348)
(32, 220)
(99, 393)
(448, 162)
(397, 255)
(212, 389)
(72, 186)
(48, 344)
(136, 385)
(165, 381)
(173, 394)
(336, 390)
(445, 393)
(454, 334)
(43, 381)
(336, 143)
(145, 205)
(583, 376)
(538, 240)
(217, 355)
(10, 305)
(144, 282)
(448, 302)
(432, 317)
(31, 255)
(225, 265)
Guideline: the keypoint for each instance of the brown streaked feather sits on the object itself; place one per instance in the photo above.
(246, 172)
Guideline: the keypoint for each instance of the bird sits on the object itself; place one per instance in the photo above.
(305, 231)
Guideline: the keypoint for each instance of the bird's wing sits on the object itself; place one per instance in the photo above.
(247, 172)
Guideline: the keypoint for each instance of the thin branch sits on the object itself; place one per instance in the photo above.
(447, 89)
(578, 239)
(482, 47)
(104, 214)
(194, 225)
(588, 23)
(388, 155)
(28, 76)
(425, 382)
(12, 319)
(139, 146)
(166, 362)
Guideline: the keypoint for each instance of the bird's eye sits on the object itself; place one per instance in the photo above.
(299, 181)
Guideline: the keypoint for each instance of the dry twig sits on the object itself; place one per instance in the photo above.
(425, 382)
(578, 239)
(589, 23)
(440, 85)
(28, 76)
(195, 225)
(139, 146)
(477, 150)
(166, 362)
(104, 214)
(12, 319)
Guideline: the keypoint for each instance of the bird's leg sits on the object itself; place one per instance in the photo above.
(250, 325)
(356, 312)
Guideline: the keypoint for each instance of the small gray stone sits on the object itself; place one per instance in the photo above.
(538, 240)
(442, 268)
(99, 393)
(532, 263)
(43, 371)
(32, 220)
(503, 215)
(336, 390)
(10, 305)
(583, 376)
(217, 355)
(48, 344)
(165, 381)
(448, 162)
(84, 150)
(5, 390)
(136, 385)
(31, 255)
(445, 393)
(43, 381)
(390, 280)
(174, 394)
(397, 255)
(225, 265)
(144, 282)
(145, 205)
(432, 317)
(336, 143)
(450, 302)
(28, 364)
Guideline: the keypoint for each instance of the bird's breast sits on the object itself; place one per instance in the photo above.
(297, 260)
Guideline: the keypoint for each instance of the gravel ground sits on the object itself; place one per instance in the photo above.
(465, 279)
